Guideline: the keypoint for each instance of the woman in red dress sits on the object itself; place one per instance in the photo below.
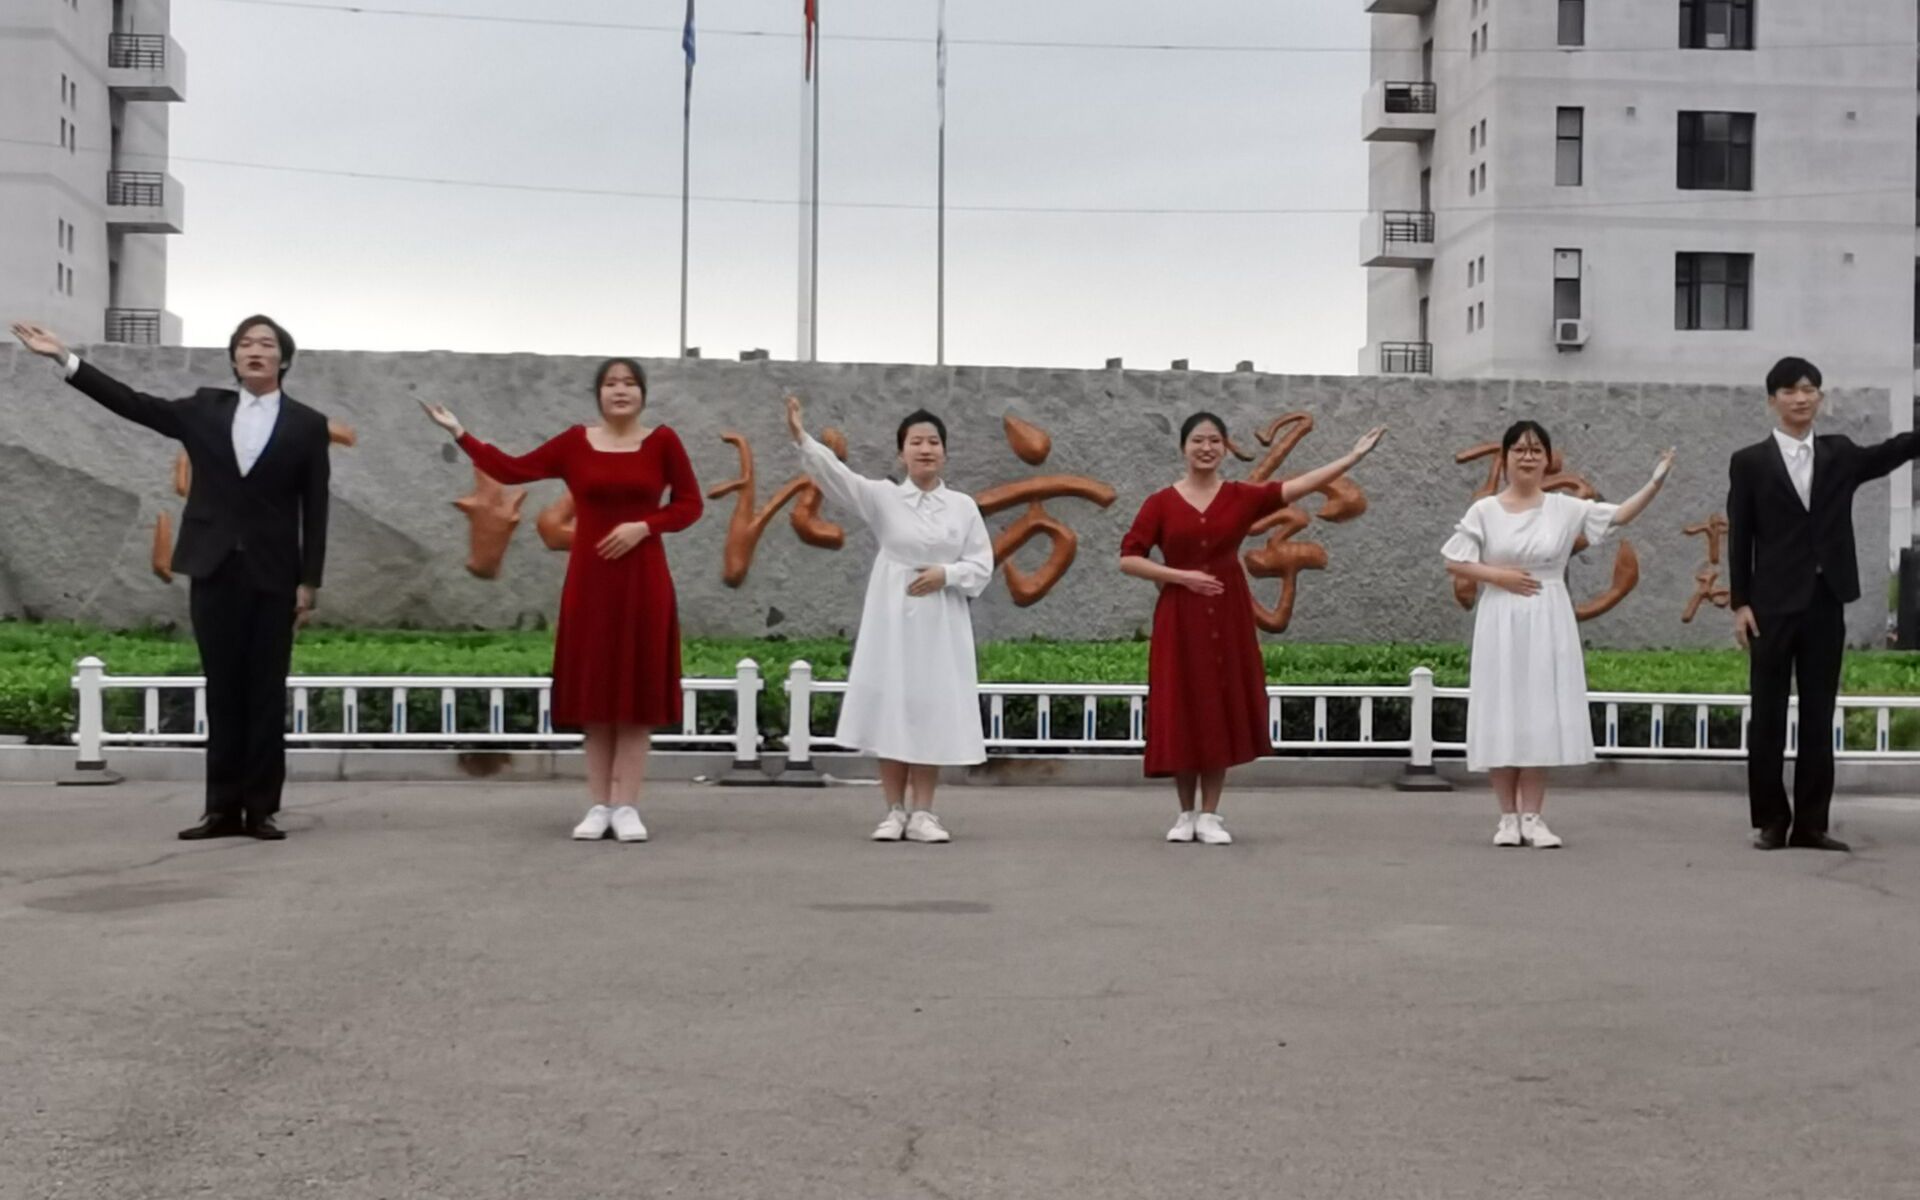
(1206, 680)
(616, 652)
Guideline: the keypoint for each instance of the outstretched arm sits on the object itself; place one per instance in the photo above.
(549, 461)
(840, 482)
(161, 416)
(1880, 459)
(1305, 485)
(1637, 503)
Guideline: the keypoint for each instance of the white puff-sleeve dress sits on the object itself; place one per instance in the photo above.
(913, 689)
(1527, 703)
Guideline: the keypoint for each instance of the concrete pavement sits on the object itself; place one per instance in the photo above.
(427, 991)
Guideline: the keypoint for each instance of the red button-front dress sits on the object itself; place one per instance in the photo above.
(1206, 681)
(616, 650)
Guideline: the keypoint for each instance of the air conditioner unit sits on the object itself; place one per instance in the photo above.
(1570, 333)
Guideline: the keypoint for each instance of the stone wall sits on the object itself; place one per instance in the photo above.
(84, 489)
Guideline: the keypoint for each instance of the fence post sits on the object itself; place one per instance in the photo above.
(90, 762)
(744, 770)
(1420, 775)
(799, 770)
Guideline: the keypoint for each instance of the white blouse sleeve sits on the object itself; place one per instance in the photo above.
(1596, 520)
(1469, 541)
(971, 574)
(839, 481)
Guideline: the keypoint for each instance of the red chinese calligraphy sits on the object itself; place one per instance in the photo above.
(747, 523)
(1033, 445)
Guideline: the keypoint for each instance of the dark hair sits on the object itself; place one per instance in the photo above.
(279, 332)
(1520, 429)
(1196, 420)
(919, 416)
(639, 376)
(1790, 371)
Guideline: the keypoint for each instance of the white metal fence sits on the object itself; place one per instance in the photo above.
(1050, 718)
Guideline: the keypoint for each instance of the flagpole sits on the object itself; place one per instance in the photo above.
(686, 175)
(813, 239)
(940, 286)
(803, 272)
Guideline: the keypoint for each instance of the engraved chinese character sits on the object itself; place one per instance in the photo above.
(748, 522)
(1281, 557)
(1033, 445)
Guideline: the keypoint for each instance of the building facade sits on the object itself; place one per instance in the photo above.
(1673, 190)
(85, 89)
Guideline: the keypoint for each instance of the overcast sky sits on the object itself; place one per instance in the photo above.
(392, 264)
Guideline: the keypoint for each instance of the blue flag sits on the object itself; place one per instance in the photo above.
(686, 38)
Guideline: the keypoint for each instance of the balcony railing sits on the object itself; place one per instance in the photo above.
(134, 326)
(137, 51)
(1406, 358)
(1401, 227)
(1412, 98)
(136, 189)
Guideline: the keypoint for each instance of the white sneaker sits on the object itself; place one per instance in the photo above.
(593, 826)
(1182, 830)
(1534, 832)
(1208, 830)
(923, 826)
(627, 825)
(891, 826)
(1509, 832)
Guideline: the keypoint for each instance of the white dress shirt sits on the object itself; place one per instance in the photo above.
(1798, 453)
(253, 421)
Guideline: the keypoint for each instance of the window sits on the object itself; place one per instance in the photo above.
(1573, 22)
(1473, 139)
(1473, 44)
(1716, 24)
(1710, 291)
(1481, 311)
(1483, 133)
(62, 235)
(1570, 131)
(1483, 177)
(1716, 151)
(1470, 324)
(1473, 275)
(1473, 182)
(1566, 285)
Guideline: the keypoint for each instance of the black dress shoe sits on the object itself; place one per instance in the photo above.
(1818, 841)
(264, 829)
(1772, 837)
(212, 826)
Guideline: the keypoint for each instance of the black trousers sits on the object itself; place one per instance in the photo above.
(246, 648)
(1807, 644)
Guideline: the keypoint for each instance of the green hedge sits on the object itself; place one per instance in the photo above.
(36, 662)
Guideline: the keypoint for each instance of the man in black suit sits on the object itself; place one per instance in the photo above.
(253, 539)
(1790, 540)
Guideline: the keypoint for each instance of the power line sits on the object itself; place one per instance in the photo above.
(368, 10)
(1034, 209)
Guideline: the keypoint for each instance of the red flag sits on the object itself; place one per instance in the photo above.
(813, 16)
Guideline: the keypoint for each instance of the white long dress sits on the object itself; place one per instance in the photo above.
(913, 690)
(1527, 705)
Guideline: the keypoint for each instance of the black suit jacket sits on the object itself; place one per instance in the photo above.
(277, 512)
(1777, 545)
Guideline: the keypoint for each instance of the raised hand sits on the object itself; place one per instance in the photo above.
(1201, 582)
(1664, 466)
(440, 415)
(1368, 441)
(40, 340)
(794, 425)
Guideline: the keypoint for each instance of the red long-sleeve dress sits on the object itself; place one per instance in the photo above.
(616, 650)
(1206, 680)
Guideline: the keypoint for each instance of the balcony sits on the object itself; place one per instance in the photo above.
(1400, 112)
(144, 202)
(134, 326)
(146, 66)
(1406, 358)
(1406, 8)
(1397, 238)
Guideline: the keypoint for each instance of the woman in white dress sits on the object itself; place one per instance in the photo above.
(912, 695)
(1527, 707)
